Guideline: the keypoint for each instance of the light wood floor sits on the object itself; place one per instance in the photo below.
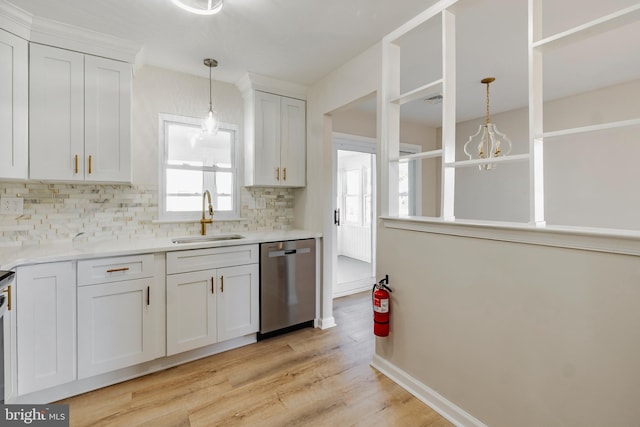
(305, 378)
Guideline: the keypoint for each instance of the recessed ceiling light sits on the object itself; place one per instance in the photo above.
(200, 7)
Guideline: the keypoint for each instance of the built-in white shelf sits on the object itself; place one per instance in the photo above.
(592, 128)
(423, 155)
(420, 93)
(477, 162)
(600, 25)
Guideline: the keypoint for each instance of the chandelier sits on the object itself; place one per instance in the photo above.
(488, 143)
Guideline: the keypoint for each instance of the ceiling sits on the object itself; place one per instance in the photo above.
(303, 40)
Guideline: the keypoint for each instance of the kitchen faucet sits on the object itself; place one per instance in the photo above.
(203, 221)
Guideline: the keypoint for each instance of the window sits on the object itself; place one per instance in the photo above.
(191, 163)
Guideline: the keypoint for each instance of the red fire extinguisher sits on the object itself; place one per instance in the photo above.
(381, 307)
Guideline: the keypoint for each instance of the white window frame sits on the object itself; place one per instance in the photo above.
(167, 119)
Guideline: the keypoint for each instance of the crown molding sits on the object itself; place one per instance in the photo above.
(15, 20)
(252, 81)
(53, 33)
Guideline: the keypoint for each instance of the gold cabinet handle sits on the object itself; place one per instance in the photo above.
(221, 283)
(277, 174)
(76, 162)
(90, 162)
(284, 174)
(113, 270)
(212, 285)
(8, 292)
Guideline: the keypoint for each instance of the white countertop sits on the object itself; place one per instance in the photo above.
(65, 251)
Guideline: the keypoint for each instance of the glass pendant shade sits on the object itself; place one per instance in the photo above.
(210, 124)
(488, 143)
(199, 7)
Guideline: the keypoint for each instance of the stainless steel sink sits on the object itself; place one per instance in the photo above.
(198, 239)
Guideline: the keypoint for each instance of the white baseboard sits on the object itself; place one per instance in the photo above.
(433, 399)
(327, 323)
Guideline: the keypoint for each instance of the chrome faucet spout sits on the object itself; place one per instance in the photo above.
(203, 221)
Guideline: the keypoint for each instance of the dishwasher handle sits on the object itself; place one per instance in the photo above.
(274, 254)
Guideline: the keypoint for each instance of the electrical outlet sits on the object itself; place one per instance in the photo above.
(11, 205)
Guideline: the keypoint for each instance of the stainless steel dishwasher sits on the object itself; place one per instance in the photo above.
(287, 286)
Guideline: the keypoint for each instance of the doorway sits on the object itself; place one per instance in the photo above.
(355, 191)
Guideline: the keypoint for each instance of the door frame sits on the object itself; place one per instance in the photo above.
(362, 144)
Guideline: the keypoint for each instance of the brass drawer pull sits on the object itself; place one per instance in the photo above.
(90, 163)
(114, 270)
(76, 162)
(277, 174)
(8, 292)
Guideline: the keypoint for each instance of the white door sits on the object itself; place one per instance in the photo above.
(354, 189)
(238, 312)
(46, 325)
(293, 154)
(107, 120)
(115, 326)
(14, 92)
(56, 114)
(267, 139)
(191, 311)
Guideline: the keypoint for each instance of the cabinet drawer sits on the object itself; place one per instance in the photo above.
(204, 259)
(104, 270)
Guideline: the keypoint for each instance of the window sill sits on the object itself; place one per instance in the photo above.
(584, 238)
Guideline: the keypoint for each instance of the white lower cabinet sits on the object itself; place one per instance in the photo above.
(46, 325)
(211, 305)
(191, 311)
(115, 326)
(119, 312)
(238, 301)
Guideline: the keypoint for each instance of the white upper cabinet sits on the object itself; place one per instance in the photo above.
(275, 150)
(14, 91)
(80, 117)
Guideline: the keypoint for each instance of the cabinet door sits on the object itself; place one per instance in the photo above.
(267, 139)
(238, 312)
(46, 325)
(191, 311)
(293, 149)
(56, 114)
(8, 325)
(14, 93)
(107, 120)
(115, 322)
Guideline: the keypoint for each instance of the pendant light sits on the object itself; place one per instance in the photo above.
(488, 142)
(211, 123)
(199, 7)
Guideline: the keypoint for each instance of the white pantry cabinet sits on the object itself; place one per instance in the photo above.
(14, 114)
(79, 116)
(210, 305)
(118, 313)
(276, 148)
(46, 325)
